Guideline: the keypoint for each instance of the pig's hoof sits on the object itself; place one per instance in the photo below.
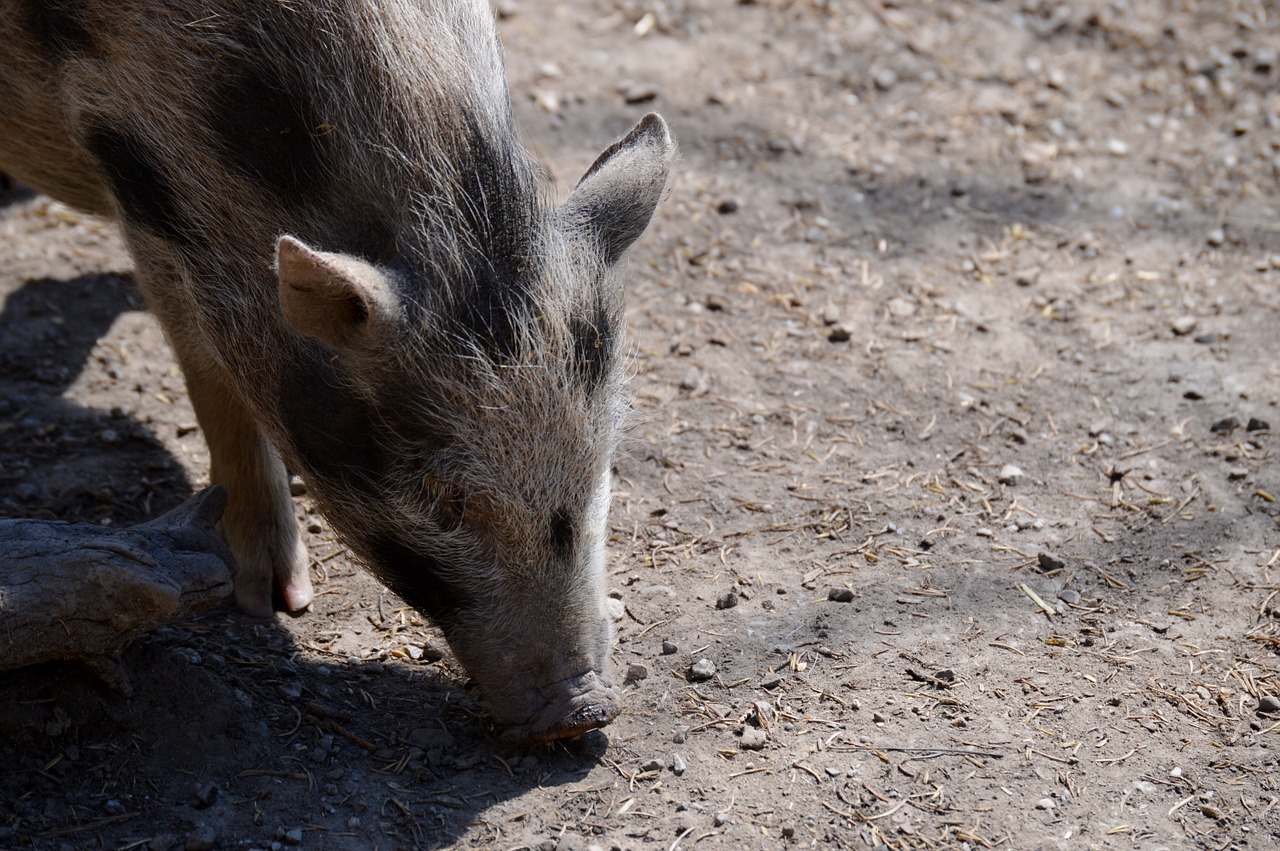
(576, 706)
(295, 596)
(293, 582)
(262, 590)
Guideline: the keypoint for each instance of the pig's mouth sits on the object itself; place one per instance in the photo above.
(570, 708)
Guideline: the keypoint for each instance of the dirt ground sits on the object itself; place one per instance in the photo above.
(956, 372)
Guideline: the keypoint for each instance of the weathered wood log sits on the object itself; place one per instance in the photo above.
(80, 591)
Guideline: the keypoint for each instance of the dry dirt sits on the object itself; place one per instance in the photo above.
(955, 350)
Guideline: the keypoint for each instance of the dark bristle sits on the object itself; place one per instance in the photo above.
(145, 196)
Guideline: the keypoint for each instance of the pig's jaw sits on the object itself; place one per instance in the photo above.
(569, 708)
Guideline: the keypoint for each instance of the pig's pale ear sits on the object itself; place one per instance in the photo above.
(617, 196)
(335, 298)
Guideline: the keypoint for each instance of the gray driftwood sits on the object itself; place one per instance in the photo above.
(80, 591)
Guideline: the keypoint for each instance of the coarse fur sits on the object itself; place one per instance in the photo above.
(358, 271)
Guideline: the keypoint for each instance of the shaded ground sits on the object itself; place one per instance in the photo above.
(963, 312)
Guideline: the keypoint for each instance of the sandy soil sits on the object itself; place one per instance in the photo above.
(956, 370)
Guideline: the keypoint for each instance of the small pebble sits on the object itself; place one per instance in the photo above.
(1225, 425)
(840, 595)
(1049, 562)
(617, 611)
(203, 838)
(1256, 424)
(677, 764)
(753, 738)
(1216, 237)
(703, 669)
(1045, 804)
(1175, 772)
(293, 836)
(680, 736)
(728, 205)
(1117, 147)
(637, 92)
(637, 672)
(670, 647)
(1070, 596)
(727, 601)
(1026, 277)
(1010, 475)
(1238, 473)
(206, 795)
(885, 79)
(1269, 703)
(651, 765)
(839, 333)
(1184, 325)
(770, 681)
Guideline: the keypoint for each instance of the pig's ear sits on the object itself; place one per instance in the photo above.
(335, 298)
(616, 197)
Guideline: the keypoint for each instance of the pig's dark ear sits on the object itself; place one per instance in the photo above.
(335, 298)
(616, 197)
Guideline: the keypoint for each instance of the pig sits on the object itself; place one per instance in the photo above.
(365, 282)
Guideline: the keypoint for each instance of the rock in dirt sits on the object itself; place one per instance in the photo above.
(840, 595)
(1010, 475)
(1268, 704)
(839, 333)
(638, 91)
(1184, 325)
(1027, 277)
(753, 738)
(727, 601)
(203, 838)
(1256, 424)
(1049, 562)
(669, 648)
(1070, 596)
(678, 766)
(703, 669)
(1225, 425)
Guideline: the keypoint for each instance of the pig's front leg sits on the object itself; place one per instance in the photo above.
(258, 524)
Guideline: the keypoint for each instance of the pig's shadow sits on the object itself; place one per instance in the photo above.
(59, 460)
(215, 698)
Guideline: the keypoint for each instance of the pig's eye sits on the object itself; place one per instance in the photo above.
(562, 534)
(448, 499)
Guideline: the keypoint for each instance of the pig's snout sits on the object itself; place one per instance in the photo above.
(568, 709)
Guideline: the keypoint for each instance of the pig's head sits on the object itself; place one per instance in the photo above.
(455, 416)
